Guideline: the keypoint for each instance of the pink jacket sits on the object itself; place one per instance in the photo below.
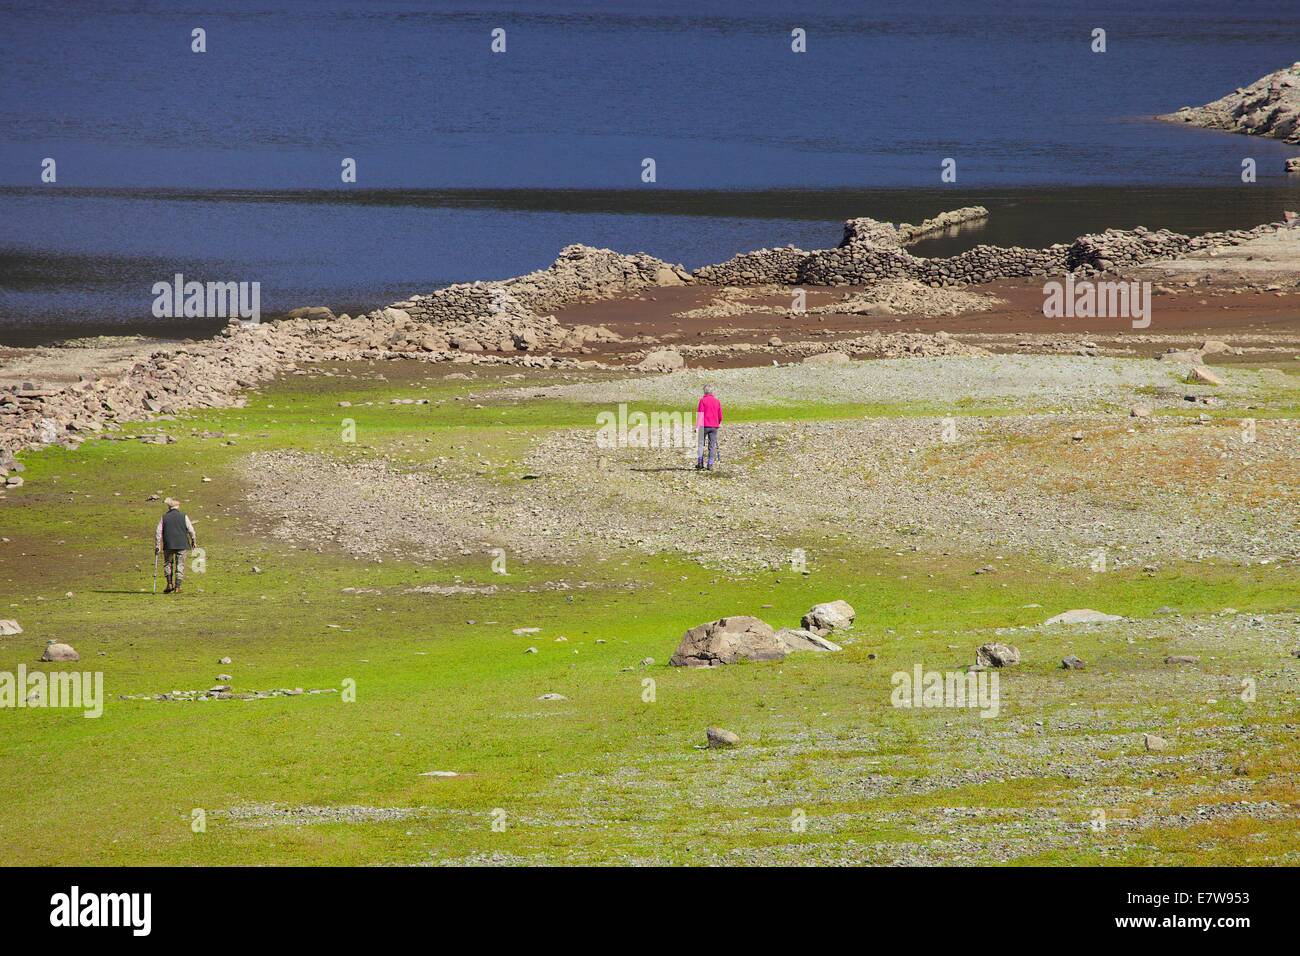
(709, 412)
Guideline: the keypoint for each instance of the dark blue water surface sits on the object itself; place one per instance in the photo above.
(170, 160)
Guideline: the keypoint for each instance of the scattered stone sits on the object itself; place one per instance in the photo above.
(1073, 663)
(9, 627)
(1082, 616)
(552, 697)
(1140, 411)
(1182, 659)
(1152, 742)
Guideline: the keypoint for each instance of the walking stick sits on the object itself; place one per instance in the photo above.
(155, 572)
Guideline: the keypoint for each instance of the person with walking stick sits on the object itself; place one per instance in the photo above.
(173, 537)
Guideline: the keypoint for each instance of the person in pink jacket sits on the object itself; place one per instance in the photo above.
(708, 418)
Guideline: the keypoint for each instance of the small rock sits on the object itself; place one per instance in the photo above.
(801, 639)
(1073, 663)
(997, 655)
(717, 737)
(822, 618)
(1152, 742)
(55, 651)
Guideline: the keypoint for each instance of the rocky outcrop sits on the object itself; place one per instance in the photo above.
(1268, 107)
(727, 641)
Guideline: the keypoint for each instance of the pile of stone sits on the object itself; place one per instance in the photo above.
(1121, 248)
(873, 251)
(760, 267)
(867, 345)
(953, 218)
(1268, 107)
(580, 274)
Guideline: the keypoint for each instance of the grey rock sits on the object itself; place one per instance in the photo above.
(55, 651)
(718, 737)
(726, 641)
(822, 618)
(799, 639)
(997, 655)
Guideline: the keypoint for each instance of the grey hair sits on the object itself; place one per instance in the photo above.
(708, 389)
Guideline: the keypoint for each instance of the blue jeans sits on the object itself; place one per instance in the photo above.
(708, 437)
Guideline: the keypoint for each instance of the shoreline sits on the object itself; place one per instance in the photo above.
(56, 292)
(514, 321)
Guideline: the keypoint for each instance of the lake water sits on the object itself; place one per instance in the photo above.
(225, 165)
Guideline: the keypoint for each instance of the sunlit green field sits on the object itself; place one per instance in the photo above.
(827, 770)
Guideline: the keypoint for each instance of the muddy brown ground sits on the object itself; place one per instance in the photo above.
(1194, 314)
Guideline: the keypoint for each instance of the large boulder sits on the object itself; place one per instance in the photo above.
(799, 639)
(726, 641)
(823, 618)
(59, 652)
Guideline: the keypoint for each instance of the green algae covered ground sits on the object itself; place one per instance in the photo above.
(423, 680)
